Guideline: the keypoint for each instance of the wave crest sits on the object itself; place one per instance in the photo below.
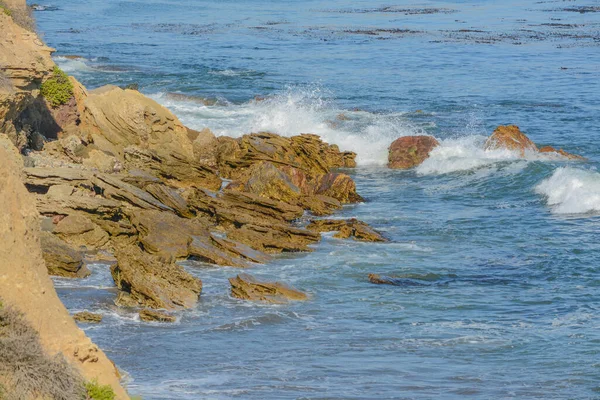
(571, 191)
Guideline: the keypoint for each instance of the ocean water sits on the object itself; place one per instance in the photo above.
(505, 249)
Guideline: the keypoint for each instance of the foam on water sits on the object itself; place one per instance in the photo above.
(73, 65)
(571, 191)
(299, 110)
(468, 153)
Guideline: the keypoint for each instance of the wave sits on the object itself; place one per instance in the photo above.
(467, 153)
(299, 110)
(73, 64)
(571, 191)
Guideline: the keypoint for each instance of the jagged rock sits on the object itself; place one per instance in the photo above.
(205, 146)
(550, 149)
(306, 152)
(338, 186)
(78, 230)
(351, 228)
(409, 151)
(145, 280)
(247, 287)
(117, 118)
(174, 169)
(511, 138)
(320, 205)
(87, 317)
(171, 237)
(156, 316)
(275, 238)
(266, 180)
(61, 259)
(101, 161)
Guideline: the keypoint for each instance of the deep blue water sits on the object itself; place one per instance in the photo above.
(507, 247)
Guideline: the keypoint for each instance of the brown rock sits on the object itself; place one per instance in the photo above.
(156, 316)
(306, 152)
(61, 259)
(26, 286)
(409, 151)
(338, 186)
(378, 280)
(273, 239)
(87, 317)
(265, 180)
(550, 149)
(145, 280)
(351, 228)
(247, 287)
(511, 138)
(205, 145)
(78, 230)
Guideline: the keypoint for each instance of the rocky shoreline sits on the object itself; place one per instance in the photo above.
(114, 175)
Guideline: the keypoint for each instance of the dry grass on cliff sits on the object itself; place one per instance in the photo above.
(22, 17)
(26, 371)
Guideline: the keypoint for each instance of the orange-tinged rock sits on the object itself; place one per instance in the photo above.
(511, 138)
(550, 149)
(409, 151)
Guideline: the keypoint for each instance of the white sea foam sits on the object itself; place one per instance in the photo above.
(73, 65)
(467, 153)
(300, 110)
(571, 191)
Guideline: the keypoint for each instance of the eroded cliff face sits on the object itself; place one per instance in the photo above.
(24, 63)
(24, 282)
(26, 286)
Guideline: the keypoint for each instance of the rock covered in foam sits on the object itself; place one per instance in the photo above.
(561, 152)
(409, 151)
(510, 137)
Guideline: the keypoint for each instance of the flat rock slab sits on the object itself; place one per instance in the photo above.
(347, 228)
(87, 317)
(156, 316)
(247, 287)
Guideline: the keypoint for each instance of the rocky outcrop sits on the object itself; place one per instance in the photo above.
(87, 317)
(156, 316)
(25, 284)
(350, 228)
(78, 230)
(305, 152)
(246, 287)
(145, 280)
(562, 153)
(409, 151)
(61, 259)
(510, 137)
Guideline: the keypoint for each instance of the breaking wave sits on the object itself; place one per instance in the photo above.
(571, 191)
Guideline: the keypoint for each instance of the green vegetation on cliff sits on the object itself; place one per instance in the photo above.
(95, 391)
(58, 89)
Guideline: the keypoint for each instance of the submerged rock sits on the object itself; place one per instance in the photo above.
(350, 228)
(156, 316)
(87, 317)
(409, 151)
(510, 137)
(61, 259)
(145, 280)
(247, 287)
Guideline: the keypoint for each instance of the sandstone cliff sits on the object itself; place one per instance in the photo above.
(25, 284)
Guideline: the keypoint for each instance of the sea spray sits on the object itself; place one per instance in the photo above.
(571, 191)
(297, 110)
